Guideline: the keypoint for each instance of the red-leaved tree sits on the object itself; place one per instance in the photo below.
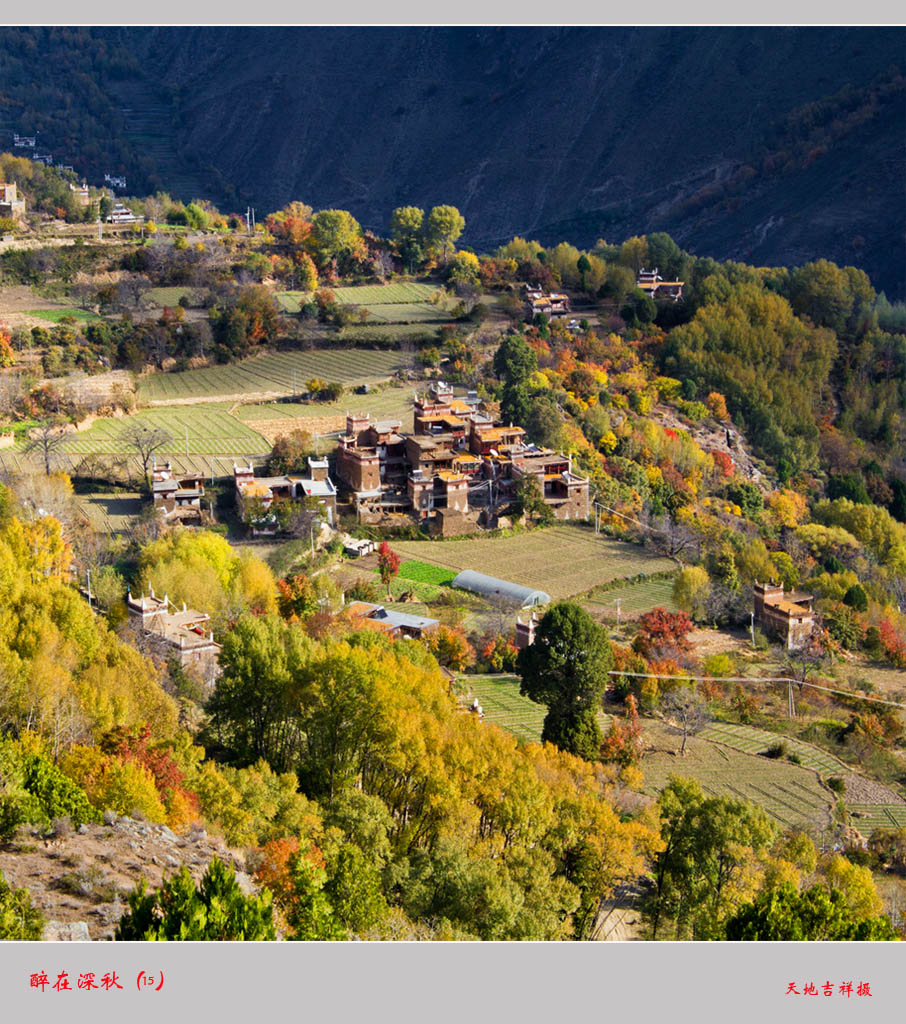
(388, 564)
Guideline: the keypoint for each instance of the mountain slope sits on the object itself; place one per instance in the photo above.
(771, 145)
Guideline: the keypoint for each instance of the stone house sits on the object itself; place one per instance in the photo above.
(181, 634)
(788, 617)
(316, 488)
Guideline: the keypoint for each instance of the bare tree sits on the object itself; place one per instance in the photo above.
(145, 440)
(687, 711)
(47, 440)
(383, 265)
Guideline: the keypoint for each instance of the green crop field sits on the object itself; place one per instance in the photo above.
(276, 373)
(382, 294)
(868, 817)
(422, 572)
(749, 740)
(503, 705)
(635, 599)
(167, 296)
(365, 295)
(406, 312)
(561, 560)
(209, 431)
(54, 316)
(789, 793)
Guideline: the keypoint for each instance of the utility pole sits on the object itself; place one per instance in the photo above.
(752, 627)
(618, 602)
(248, 220)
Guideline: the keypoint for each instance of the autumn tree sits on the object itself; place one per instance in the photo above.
(662, 633)
(289, 453)
(815, 915)
(388, 564)
(406, 231)
(336, 235)
(566, 669)
(703, 872)
(444, 225)
(255, 709)
(19, 920)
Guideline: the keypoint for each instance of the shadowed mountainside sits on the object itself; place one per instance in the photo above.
(767, 145)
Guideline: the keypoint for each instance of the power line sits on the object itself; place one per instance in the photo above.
(761, 679)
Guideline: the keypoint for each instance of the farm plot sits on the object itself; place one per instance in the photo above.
(110, 513)
(319, 418)
(561, 560)
(54, 316)
(407, 313)
(274, 374)
(384, 294)
(369, 295)
(756, 741)
(634, 599)
(422, 572)
(203, 431)
(867, 817)
(504, 706)
(789, 793)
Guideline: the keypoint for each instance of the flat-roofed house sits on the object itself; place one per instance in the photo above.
(177, 496)
(316, 489)
(183, 634)
(787, 616)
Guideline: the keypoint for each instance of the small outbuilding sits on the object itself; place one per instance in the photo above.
(491, 587)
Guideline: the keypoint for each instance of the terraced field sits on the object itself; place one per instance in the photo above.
(749, 740)
(205, 431)
(789, 793)
(561, 560)
(867, 817)
(503, 705)
(635, 599)
(406, 312)
(274, 374)
(390, 403)
(370, 295)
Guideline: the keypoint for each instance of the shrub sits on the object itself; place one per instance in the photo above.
(19, 920)
(216, 910)
(776, 750)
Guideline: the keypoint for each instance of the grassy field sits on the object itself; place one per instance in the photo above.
(276, 373)
(209, 431)
(503, 705)
(635, 599)
(789, 793)
(561, 560)
(56, 315)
